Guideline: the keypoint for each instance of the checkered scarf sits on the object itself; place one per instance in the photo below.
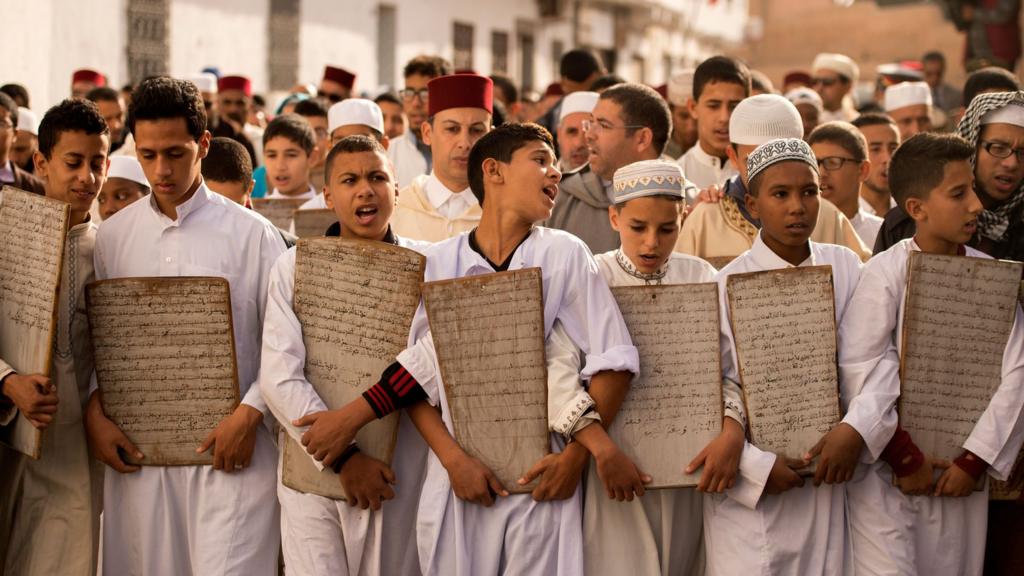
(992, 224)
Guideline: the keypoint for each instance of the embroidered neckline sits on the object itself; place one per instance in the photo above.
(628, 267)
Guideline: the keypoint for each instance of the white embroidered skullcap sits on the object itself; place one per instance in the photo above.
(648, 178)
(781, 150)
(1012, 113)
(355, 111)
(28, 121)
(838, 63)
(206, 82)
(578, 102)
(764, 117)
(680, 87)
(803, 95)
(907, 94)
(128, 168)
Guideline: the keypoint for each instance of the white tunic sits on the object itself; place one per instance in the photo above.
(426, 210)
(865, 206)
(705, 170)
(321, 535)
(317, 202)
(661, 532)
(801, 531)
(50, 507)
(516, 535)
(180, 520)
(894, 533)
(407, 159)
(867, 226)
(309, 194)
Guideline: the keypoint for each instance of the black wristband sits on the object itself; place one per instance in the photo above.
(340, 461)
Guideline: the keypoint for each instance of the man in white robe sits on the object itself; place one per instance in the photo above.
(180, 520)
(50, 507)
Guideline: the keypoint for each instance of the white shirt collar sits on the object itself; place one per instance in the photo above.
(766, 259)
(193, 204)
(704, 158)
(438, 194)
(866, 207)
(309, 193)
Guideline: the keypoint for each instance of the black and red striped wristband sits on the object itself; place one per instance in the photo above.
(397, 389)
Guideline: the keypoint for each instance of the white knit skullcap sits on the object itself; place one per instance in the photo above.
(803, 95)
(781, 150)
(838, 63)
(680, 87)
(764, 117)
(578, 102)
(907, 94)
(205, 82)
(128, 168)
(648, 178)
(28, 121)
(1012, 113)
(355, 111)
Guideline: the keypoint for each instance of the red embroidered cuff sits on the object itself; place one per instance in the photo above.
(971, 464)
(901, 454)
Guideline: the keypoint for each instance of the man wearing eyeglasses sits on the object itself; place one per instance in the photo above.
(833, 77)
(843, 166)
(408, 153)
(631, 123)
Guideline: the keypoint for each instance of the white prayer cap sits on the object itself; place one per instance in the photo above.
(838, 63)
(205, 82)
(1012, 113)
(648, 178)
(803, 95)
(907, 94)
(680, 87)
(578, 102)
(764, 117)
(781, 150)
(355, 111)
(128, 168)
(27, 121)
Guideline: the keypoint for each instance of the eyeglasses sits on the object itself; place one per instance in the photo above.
(1000, 150)
(833, 163)
(410, 93)
(824, 81)
(600, 126)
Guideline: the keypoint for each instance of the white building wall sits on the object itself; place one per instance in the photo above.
(228, 34)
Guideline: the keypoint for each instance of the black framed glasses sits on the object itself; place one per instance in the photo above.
(833, 163)
(1002, 150)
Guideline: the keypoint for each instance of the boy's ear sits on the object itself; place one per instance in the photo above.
(865, 171)
(493, 171)
(252, 184)
(328, 199)
(691, 106)
(915, 209)
(613, 217)
(751, 203)
(41, 165)
(734, 158)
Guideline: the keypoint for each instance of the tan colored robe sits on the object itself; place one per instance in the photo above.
(417, 219)
(49, 508)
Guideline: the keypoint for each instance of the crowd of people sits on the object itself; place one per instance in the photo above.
(599, 182)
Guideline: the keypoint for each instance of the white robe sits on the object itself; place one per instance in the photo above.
(867, 226)
(180, 520)
(803, 530)
(516, 535)
(894, 533)
(661, 532)
(407, 159)
(322, 536)
(50, 507)
(704, 170)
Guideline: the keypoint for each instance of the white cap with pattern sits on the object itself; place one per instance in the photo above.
(578, 102)
(128, 168)
(907, 94)
(648, 178)
(781, 150)
(803, 95)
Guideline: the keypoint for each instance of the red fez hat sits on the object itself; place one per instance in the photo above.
(663, 90)
(554, 89)
(235, 83)
(460, 91)
(87, 75)
(797, 78)
(340, 75)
